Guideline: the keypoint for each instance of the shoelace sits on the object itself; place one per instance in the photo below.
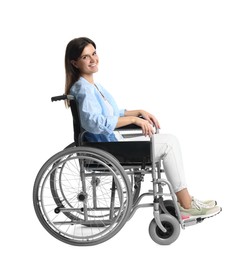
(200, 203)
(197, 204)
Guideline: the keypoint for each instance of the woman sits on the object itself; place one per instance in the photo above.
(100, 116)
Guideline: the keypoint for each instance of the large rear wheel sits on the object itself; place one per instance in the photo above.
(82, 196)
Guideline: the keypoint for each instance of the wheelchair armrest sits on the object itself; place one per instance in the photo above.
(133, 127)
(128, 127)
(129, 131)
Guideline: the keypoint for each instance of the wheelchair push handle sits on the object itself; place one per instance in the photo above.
(62, 97)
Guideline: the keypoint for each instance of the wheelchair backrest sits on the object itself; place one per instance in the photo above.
(77, 128)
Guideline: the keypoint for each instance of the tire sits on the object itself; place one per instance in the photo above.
(165, 238)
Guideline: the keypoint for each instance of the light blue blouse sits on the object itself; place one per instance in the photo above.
(95, 116)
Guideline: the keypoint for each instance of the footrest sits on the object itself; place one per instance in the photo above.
(190, 222)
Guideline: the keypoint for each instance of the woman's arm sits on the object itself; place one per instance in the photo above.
(141, 118)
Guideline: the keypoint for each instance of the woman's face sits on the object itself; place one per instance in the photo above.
(88, 61)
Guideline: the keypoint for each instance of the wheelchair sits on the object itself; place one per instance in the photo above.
(84, 194)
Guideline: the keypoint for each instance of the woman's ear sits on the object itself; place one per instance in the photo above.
(74, 63)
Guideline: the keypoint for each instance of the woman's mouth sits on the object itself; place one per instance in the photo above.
(93, 65)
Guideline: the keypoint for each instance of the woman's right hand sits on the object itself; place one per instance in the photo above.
(145, 125)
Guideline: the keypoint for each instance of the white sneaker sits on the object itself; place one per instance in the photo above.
(205, 203)
(197, 210)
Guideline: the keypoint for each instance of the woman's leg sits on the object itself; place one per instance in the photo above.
(167, 149)
(184, 198)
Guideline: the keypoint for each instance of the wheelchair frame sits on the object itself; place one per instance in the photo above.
(83, 195)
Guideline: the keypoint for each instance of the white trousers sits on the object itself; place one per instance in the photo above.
(167, 149)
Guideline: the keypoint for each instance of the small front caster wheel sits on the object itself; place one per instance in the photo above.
(172, 227)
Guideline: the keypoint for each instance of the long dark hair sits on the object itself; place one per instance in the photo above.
(73, 51)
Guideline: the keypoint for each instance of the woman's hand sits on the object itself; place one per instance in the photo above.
(145, 125)
(150, 118)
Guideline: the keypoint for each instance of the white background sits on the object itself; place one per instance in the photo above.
(181, 60)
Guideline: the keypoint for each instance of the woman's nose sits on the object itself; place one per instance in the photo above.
(92, 59)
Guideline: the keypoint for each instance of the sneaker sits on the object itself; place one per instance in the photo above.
(197, 210)
(205, 203)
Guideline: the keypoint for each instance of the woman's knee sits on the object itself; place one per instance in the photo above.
(169, 139)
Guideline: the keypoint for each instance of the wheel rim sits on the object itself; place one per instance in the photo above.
(169, 230)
